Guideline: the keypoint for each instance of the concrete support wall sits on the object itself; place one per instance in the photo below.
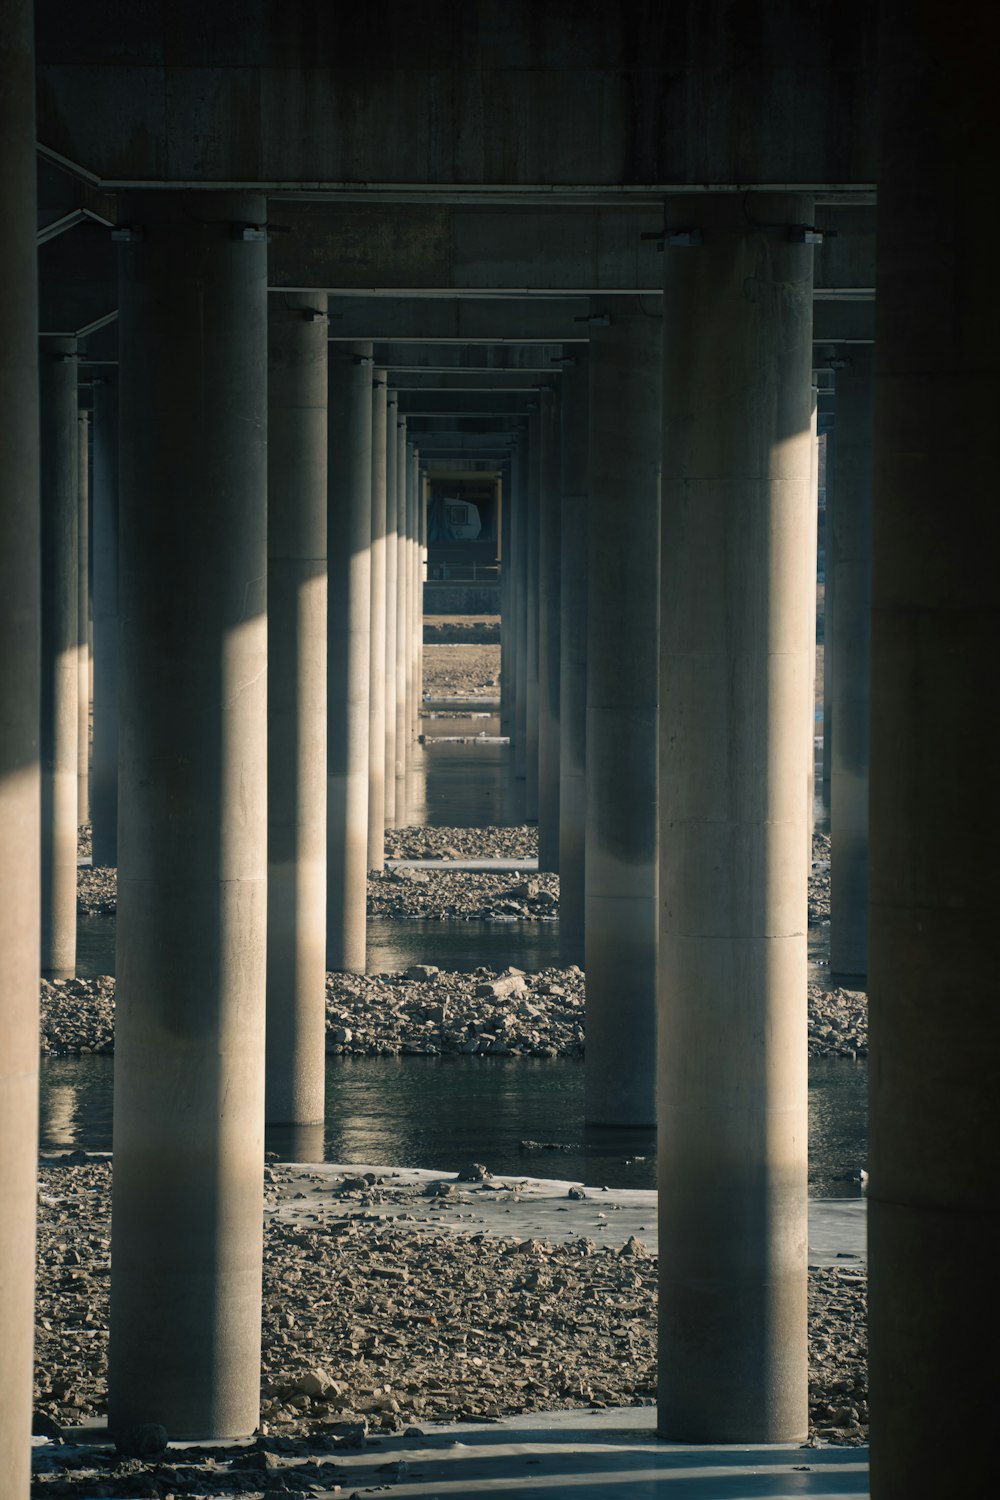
(531, 612)
(192, 880)
(402, 622)
(549, 569)
(350, 533)
(391, 591)
(83, 620)
(376, 676)
(104, 761)
(60, 664)
(849, 637)
(573, 448)
(19, 781)
(623, 520)
(735, 669)
(935, 1024)
(296, 707)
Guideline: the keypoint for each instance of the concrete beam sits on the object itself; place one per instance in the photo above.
(463, 381)
(497, 360)
(464, 404)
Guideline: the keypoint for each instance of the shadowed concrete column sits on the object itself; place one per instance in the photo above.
(416, 601)
(507, 664)
(519, 532)
(402, 632)
(411, 600)
(623, 519)
(531, 612)
(376, 699)
(421, 570)
(735, 670)
(83, 620)
(848, 630)
(19, 789)
(104, 761)
(549, 566)
(573, 446)
(934, 1189)
(192, 876)
(60, 664)
(391, 585)
(296, 707)
(350, 540)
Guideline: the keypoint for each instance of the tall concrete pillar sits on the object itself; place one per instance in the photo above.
(416, 604)
(60, 663)
(508, 666)
(421, 570)
(933, 1201)
(531, 614)
(735, 638)
(350, 540)
(813, 544)
(549, 570)
(104, 760)
(623, 534)
(402, 622)
(19, 750)
(573, 449)
(391, 590)
(376, 697)
(849, 634)
(296, 707)
(519, 592)
(411, 600)
(192, 875)
(83, 620)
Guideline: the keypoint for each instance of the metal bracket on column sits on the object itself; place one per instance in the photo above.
(806, 234)
(596, 320)
(127, 233)
(363, 359)
(683, 238)
(563, 359)
(377, 385)
(313, 315)
(256, 233)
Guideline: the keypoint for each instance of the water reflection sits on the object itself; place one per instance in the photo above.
(440, 1113)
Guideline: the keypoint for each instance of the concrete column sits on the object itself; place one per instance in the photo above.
(549, 569)
(735, 637)
(623, 521)
(296, 707)
(828, 609)
(192, 875)
(83, 620)
(402, 632)
(421, 558)
(350, 540)
(376, 697)
(60, 664)
(573, 448)
(411, 600)
(849, 632)
(934, 1206)
(531, 614)
(104, 760)
(508, 664)
(19, 780)
(813, 544)
(416, 602)
(391, 589)
(519, 601)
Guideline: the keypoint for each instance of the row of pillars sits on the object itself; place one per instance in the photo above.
(733, 746)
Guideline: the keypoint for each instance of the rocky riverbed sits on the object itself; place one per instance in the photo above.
(387, 1305)
(461, 671)
(519, 841)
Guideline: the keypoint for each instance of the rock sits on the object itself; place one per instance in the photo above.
(144, 1440)
(422, 972)
(317, 1382)
(504, 988)
(576, 1192)
(474, 1171)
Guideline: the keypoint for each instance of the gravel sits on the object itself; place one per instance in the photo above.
(460, 671)
(372, 1322)
(516, 842)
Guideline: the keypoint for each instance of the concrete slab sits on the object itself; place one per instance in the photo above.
(480, 866)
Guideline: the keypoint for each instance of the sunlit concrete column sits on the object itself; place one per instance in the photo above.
(376, 685)
(192, 875)
(849, 633)
(296, 707)
(412, 481)
(574, 457)
(422, 485)
(104, 759)
(83, 620)
(402, 596)
(623, 518)
(391, 588)
(549, 570)
(19, 780)
(736, 628)
(828, 608)
(812, 543)
(531, 613)
(60, 665)
(519, 606)
(933, 1199)
(349, 660)
(508, 666)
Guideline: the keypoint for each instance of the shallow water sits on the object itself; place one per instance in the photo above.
(440, 1113)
